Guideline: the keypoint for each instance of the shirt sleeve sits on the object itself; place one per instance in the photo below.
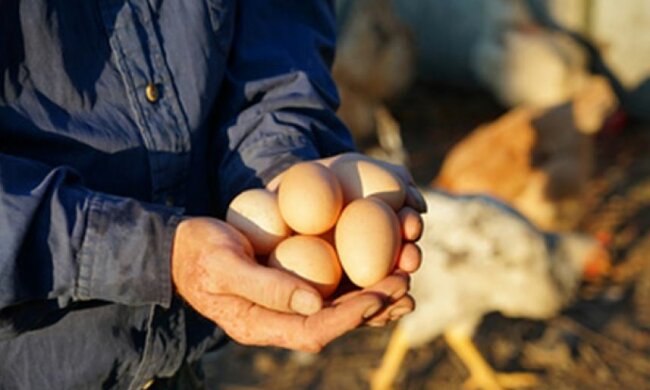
(279, 100)
(62, 243)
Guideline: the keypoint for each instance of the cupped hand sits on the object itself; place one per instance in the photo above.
(410, 257)
(214, 270)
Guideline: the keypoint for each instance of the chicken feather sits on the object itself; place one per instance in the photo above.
(482, 256)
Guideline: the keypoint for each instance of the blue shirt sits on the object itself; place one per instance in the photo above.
(118, 117)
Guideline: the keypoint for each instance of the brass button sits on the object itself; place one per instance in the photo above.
(152, 93)
(148, 384)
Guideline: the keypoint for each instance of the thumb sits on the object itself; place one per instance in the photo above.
(273, 289)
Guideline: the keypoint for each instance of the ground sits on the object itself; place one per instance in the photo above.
(601, 342)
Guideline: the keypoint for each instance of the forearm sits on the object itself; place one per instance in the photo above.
(62, 243)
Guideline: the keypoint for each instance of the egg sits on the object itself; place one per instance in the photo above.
(362, 179)
(256, 214)
(312, 259)
(310, 198)
(368, 240)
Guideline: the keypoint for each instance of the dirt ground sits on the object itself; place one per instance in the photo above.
(601, 342)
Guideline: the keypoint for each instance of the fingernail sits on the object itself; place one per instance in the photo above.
(372, 310)
(399, 312)
(305, 302)
(377, 324)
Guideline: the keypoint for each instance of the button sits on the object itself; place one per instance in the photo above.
(152, 93)
(148, 384)
(169, 201)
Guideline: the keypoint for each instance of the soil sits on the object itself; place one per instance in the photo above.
(600, 342)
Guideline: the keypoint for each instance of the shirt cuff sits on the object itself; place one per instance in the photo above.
(125, 255)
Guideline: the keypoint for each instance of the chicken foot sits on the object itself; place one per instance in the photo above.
(383, 377)
(482, 376)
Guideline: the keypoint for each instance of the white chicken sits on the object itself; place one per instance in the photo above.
(481, 256)
(522, 62)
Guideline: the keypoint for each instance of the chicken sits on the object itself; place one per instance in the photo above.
(538, 160)
(374, 63)
(523, 62)
(481, 256)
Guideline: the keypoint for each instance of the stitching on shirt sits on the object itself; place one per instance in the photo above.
(165, 272)
(140, 376)
(129, 82)
(87, 252)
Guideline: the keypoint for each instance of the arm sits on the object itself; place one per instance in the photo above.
(279, 99)
(282, 98)
(61, 243)
(278, 108)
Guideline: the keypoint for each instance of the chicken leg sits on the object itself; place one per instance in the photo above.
(482, 376)
(389, 135)
(383, 377)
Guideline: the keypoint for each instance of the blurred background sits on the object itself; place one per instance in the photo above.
(544, 104)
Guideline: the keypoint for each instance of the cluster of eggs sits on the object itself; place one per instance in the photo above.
(324, 221)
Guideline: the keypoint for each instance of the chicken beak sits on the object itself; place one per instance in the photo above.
(598, 264)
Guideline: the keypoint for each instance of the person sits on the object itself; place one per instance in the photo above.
(126, 127)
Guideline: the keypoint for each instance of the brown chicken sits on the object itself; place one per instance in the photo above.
(523, 62)
(537, 160)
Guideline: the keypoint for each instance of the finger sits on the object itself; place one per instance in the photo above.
(393, 312)
(415, 199)
(411, 222)
(252, 324)
(271, 288)
(410, 258)
(390, 289)
(274, 183)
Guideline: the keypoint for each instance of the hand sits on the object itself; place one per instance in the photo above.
(214, 270)
(412, 225)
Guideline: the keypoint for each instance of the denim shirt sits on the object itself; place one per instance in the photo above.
(117, 118)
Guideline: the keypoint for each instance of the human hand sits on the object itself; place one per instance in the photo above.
(411, 222)
(214, 270)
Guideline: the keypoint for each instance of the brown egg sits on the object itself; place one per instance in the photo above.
(362, 179)
(256, 214)
(312, 259)
(310, 198)
(368, 240)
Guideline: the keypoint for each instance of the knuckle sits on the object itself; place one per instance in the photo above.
(312, 342)
(222, 284)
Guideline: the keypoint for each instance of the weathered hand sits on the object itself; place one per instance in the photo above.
(411, 221)
(214, 270)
